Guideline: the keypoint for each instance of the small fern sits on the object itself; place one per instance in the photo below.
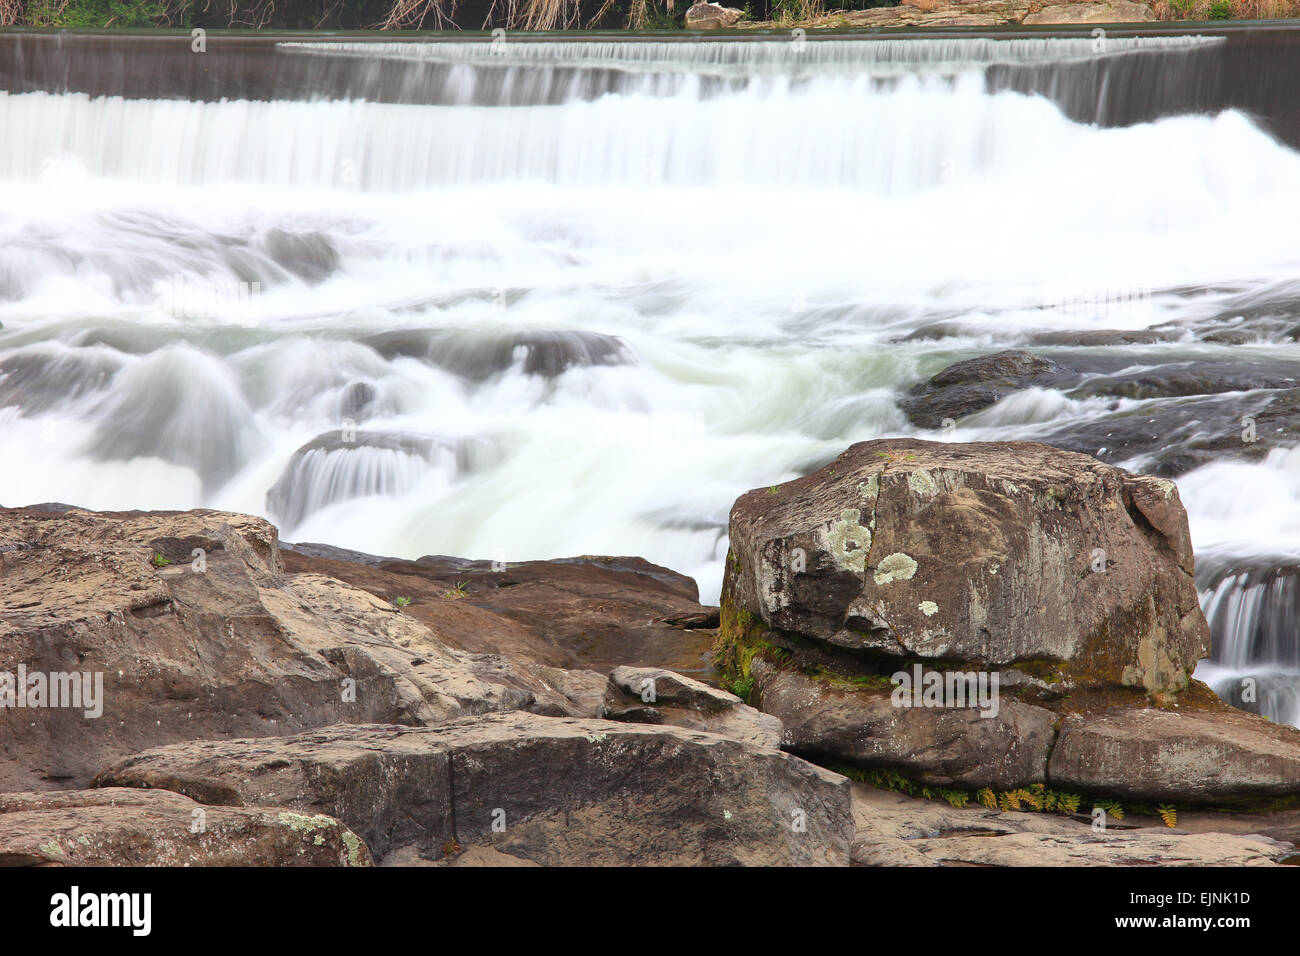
(1067, 803)
(956, 798)
(987, 798)
(1168, 814)
(1111, 807)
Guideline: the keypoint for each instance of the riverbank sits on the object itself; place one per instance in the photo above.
(317, 706)
(385, 16)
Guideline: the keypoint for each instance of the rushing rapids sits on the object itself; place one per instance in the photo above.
(525, 299)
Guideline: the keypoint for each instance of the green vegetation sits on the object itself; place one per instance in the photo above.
(1035, 797)
(90, 14)
(456, 593)
(158, 561)
(395, 14)
(402, 602)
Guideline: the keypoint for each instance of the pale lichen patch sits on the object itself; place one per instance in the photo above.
(353, 844)
(928, 608)
(922, 483)
(850, 541)
(895, 567)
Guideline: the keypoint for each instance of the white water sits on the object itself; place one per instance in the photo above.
(756, 248)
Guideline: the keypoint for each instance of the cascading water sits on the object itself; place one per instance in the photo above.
(574, 297)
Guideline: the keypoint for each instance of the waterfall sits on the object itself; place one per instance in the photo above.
(535, 298)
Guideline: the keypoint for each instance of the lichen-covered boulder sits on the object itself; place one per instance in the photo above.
(1013, 556)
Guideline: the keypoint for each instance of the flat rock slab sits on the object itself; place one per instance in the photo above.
(127, 827)
(591, 613)
(551, 790)
(895, 830)
(1191, 756)
(949, 747)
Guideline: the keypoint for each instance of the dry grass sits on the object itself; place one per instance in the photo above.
(11, 12)
(419, 14)
(785, 13)
(1238, 9)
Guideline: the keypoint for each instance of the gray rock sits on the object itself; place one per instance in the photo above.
(127, 827)
(671, 698)
(990, 554)
(967, 387)
(1195, 756)
(1100, 11)
(231, 646)
(949, 747)
(550, 790)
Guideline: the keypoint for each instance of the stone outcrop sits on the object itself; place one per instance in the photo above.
(198, 630)
(906, 565)
(1098, 11)
(545, 789)
(125, 827)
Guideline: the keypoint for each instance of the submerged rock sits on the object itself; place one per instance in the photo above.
(967, 387)
(479, 353)
(1172, 437)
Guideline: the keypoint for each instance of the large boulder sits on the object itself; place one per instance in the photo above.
(127, 827)
(550, 790)
(1011, 556)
